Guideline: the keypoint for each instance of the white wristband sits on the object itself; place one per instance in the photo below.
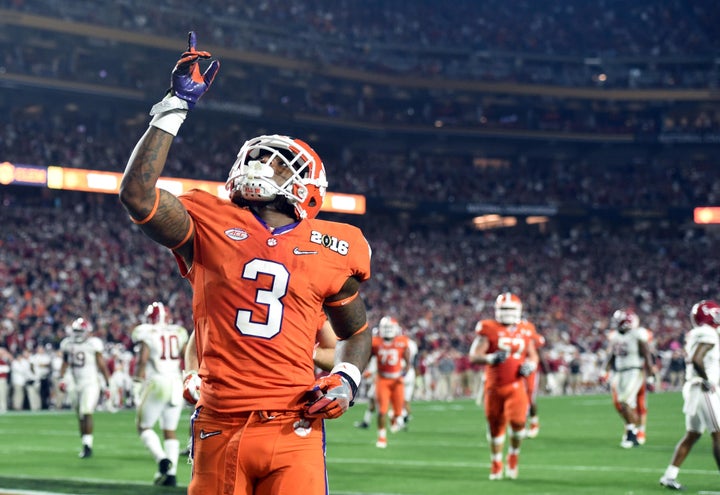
(350, 370)
(169, 114)
(169, 122)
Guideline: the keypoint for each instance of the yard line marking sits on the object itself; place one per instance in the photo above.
(8, 491)
(544, 467)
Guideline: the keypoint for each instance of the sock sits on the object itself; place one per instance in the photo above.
(672, 472)
(534, 421)
(172, 449)
(382, 433)
(152, 442)
(631, 427)
(512, 450)
(496, 457)
(87, 439)
(367, 417)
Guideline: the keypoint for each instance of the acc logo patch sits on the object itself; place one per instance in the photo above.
(236, 234)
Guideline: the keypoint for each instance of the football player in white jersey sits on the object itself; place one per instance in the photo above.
(83, 357)
(700, 392)
(629, 356)
(158, 388)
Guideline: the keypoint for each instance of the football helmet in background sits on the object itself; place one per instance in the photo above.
(252, 179)
(389, 328)
(155, 314)
(80, 329)
(508, 309)
(705, 312)
(624, 320)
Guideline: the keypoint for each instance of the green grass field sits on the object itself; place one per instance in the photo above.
(444, 452)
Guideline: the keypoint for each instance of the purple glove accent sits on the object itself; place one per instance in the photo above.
(187, 82)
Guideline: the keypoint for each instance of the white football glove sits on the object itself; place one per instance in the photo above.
(527, 368)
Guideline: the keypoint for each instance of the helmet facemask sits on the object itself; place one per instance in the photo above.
(80, 329)
(388, 328)
(253, 180)
(156, 314)
(625, 320)
(508, 309)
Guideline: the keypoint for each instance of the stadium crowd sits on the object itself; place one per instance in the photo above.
(64, 255)
(492, 41)
(639, 177)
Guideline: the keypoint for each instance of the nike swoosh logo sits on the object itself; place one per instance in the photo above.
(208, 434)
(299, 252)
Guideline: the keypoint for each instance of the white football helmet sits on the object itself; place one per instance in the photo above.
(155, 314)
(508, 309)
(80, 329)
(389, 328)
(252, 178)
(624, 320)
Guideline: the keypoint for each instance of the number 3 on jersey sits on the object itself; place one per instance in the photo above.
(269, 298)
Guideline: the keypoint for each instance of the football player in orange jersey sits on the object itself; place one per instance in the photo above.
(262, 268)
(391, 351)
(506, 345)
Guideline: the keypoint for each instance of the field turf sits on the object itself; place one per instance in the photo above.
(444, 452)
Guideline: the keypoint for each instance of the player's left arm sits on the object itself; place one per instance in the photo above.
(647, 357)
(324, 353)
(102, 366)
(348, 318)
(331, 395)
(531, 359)
(143, 355)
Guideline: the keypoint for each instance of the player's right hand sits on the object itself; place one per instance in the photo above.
(63, 386)
(191, 387)
(330, 397)
(707, 386)
(187, 83)
(497, 357)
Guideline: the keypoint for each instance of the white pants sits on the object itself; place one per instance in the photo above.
(161, 400)
(702, 409)
(626, 384)
(86, 396)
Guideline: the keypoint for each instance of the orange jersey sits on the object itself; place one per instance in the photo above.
(390, 355)
(514, 339)
(257, 295)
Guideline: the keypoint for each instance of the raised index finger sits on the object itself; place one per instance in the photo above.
(192, 41)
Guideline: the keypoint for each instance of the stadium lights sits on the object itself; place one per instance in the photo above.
(77, 179)
(486, 222)
(707, 215)
(534, 220)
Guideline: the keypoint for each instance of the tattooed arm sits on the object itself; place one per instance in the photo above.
(159, 214)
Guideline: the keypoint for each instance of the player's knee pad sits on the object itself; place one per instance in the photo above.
(498, 440)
